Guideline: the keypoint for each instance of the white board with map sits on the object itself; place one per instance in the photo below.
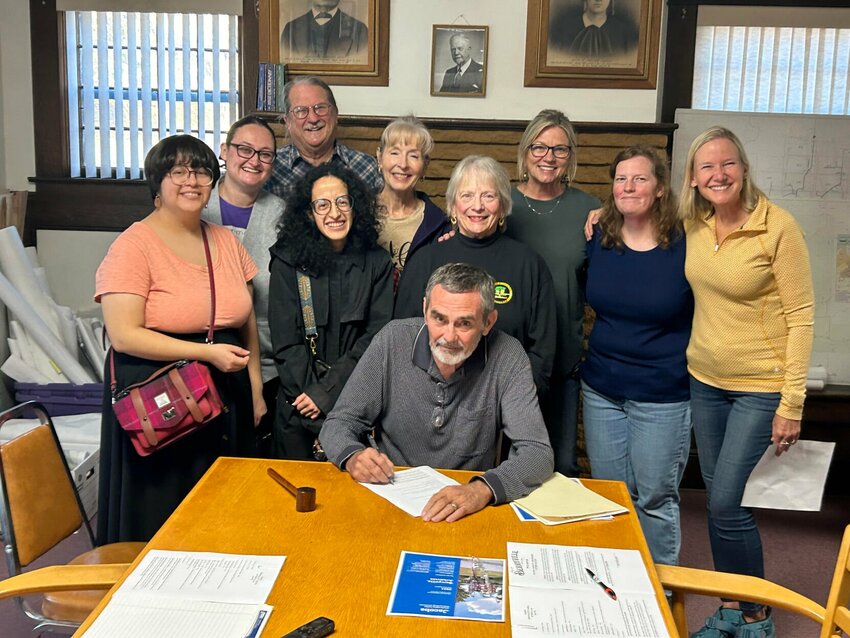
(802, 163)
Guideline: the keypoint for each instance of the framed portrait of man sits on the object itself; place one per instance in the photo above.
(343, 41)
(592, 43)
(459, 60)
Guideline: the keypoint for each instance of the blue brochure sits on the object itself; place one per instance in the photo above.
(439, 586)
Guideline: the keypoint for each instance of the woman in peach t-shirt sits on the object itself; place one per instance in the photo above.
(154, 288)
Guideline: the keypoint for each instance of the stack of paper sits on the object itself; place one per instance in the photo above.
(564, 500)
(552, 593)
(191, 594)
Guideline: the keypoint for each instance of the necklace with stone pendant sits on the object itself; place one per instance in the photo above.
(545, 212)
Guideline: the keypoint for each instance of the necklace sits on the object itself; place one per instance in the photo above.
(544, 212)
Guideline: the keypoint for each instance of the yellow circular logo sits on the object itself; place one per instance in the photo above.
(504, 292)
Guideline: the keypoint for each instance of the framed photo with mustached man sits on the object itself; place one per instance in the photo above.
(459, 60)
(342, 41)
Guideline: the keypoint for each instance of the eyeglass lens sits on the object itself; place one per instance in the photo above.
(323, 206)
(540, 150)
(247, 152)
(180, 175)
(438, 416)
(301, 112)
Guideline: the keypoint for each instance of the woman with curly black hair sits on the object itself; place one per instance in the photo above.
(327, 248)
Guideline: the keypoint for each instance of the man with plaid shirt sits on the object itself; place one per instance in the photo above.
(311, 117)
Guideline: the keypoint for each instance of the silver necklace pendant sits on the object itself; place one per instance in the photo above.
(545, 212)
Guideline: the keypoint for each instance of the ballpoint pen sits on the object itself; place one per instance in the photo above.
(374, 445)
(604, 587)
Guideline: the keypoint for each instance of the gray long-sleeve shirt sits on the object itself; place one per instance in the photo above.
(397, 388)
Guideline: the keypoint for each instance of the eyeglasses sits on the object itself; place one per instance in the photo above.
(540, 150)
(180, 175)
(300, 112)
(438, 416)
(247, 152)
(323, 206)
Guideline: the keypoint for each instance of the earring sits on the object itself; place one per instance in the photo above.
(524, 176)
(502, 222)
(453, 220)
(565, 179)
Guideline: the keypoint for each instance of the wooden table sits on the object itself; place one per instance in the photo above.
(342, 558)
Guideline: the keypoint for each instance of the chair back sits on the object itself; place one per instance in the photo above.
(40, 505)
(837, 612)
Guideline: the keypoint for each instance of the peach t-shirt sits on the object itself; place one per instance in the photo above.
(176, 292)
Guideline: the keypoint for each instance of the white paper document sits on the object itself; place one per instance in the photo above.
(552, 594)
(793, 481)
(411, 489)
(189, 594)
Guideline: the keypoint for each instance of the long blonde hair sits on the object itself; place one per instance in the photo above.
(692, 205)
(665, 223)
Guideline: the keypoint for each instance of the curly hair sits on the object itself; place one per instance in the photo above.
(298, 232)
(663, 212)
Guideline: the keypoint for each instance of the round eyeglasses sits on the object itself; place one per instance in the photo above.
(323, 206)
(247, 152)
(300, 112)
(540, 150)
(180, 175)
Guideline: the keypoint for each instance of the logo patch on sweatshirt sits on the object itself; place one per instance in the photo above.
(504, 292)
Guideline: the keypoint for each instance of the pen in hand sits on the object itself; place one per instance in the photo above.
(604, 587)
(374, 445)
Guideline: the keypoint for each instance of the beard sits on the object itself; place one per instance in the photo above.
(450, 354)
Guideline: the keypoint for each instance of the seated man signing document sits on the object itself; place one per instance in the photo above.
(438, 394)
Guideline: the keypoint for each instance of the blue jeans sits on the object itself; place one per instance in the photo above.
(732, 430)
(560, 413)
(645, 445)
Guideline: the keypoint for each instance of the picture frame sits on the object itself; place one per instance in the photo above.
(355, 48)
(562, 51)
(459, 47)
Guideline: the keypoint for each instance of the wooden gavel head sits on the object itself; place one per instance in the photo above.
(305, 499)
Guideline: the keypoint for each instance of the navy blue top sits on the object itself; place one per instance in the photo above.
(644, 307)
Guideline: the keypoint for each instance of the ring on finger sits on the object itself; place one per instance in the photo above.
(453, 506)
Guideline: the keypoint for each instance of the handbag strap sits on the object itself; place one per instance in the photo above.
(305, 296)
(113, 384)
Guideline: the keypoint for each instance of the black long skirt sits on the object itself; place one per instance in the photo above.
(137, 494)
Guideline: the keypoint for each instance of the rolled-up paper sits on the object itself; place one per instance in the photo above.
(38, 330)
(817, 373)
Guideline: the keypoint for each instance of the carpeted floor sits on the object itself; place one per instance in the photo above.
(799, 547)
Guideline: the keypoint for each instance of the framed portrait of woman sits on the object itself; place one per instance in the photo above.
(343, 41)
(592, 43)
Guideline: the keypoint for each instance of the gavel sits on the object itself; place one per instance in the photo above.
(305, 497)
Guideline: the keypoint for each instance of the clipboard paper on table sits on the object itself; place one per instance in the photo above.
(564, 500)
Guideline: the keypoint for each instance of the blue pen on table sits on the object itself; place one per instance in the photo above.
(374, 445)
(604, 587)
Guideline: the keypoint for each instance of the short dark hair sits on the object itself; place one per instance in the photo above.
(185, 150)
(457, 278)
(306, 79)
(246, 121)
(298, 231)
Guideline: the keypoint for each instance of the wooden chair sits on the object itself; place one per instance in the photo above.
(40, 508)
(835, 616)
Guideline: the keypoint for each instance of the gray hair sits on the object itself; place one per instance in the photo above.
(543, 120)
(457, 278)
(311, 80)
(480, 166)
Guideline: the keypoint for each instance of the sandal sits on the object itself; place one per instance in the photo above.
(724, 623)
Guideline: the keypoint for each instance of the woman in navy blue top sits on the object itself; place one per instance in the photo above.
(637, 416)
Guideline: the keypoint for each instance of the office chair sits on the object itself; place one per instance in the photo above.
(682, 580)
(41, 507)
